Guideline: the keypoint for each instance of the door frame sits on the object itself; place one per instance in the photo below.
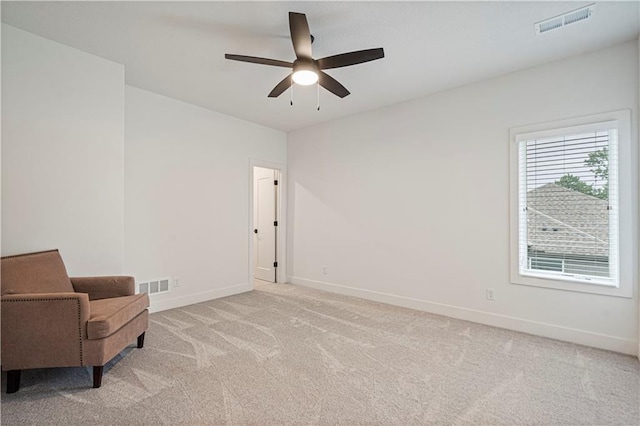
(281, 217)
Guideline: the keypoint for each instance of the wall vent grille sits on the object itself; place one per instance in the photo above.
(564, 20)
(160, 285)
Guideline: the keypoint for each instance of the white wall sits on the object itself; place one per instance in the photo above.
(62, 153)
(409, 204)
(66, 171)
(187, 195)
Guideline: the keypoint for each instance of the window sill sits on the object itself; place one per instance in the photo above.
(579, 287)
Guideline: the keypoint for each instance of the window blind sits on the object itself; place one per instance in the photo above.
(568, 206)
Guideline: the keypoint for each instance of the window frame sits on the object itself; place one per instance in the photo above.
(621, 120)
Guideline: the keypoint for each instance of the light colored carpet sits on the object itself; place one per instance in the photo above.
(289, 355)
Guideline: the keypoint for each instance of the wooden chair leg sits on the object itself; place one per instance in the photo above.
(97, 375)
(13, 381)
(141, 341)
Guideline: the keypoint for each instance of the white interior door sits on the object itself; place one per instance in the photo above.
(264, 217)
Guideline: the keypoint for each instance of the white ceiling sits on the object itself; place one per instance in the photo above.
(177, 48)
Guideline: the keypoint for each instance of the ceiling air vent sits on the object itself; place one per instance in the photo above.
(568, 18)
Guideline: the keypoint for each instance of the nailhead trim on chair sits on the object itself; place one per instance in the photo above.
(56, 300)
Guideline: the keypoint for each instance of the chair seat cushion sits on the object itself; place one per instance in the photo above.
(110, 315)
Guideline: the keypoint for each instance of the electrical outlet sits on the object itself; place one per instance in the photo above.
(176, 282)
(491, 294)
(324, 270)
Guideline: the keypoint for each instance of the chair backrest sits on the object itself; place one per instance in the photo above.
(41, 272)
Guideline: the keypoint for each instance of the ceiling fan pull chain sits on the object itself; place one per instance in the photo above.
(318, 92)
(291, 92)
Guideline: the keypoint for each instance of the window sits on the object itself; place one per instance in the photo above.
(568, 226)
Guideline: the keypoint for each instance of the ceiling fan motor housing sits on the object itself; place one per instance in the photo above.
(305, 64)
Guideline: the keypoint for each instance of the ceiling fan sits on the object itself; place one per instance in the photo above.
(305, 69)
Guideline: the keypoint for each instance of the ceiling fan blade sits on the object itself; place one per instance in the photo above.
(351, 58)
(281, 87)
(300, 35)
(332, 85)
(256, 60)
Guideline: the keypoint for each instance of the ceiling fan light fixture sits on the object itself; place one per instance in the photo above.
(305, 72)
(305, 77)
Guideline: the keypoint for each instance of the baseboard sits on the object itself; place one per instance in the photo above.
(582, 337)
(190, 299)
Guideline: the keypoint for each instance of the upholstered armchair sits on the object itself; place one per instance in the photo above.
(51, 320)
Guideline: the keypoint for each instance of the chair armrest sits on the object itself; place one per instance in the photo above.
(104, 287)
(43, 330)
